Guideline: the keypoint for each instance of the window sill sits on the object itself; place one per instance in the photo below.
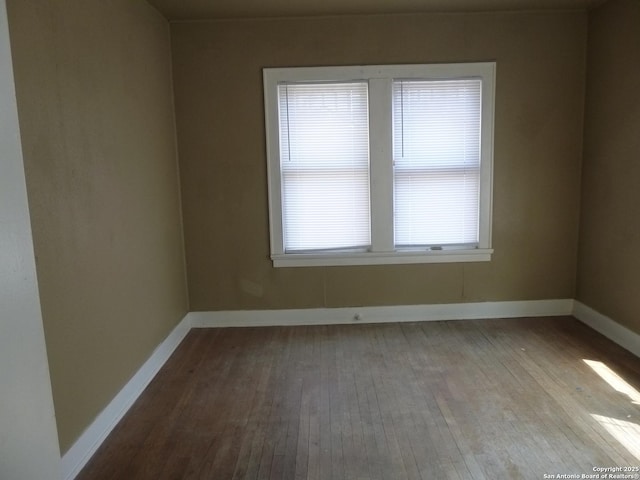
(380, 258)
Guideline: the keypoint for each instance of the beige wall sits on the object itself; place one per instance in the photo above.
(538, 142)
(609, 259)
(95, 104)
(95, 107)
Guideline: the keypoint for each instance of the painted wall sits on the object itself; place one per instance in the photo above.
(609, 259)
(98, 133)
(28, 440)
(538, 143)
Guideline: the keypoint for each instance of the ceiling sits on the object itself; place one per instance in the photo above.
(217, 9)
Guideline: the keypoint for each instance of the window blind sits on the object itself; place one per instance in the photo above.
(324, 161)
(436, 151)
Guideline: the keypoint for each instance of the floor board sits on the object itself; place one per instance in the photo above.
(480, 399)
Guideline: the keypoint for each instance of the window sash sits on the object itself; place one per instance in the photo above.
(436, 155)
(324, 161)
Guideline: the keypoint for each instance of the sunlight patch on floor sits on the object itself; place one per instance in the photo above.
(624, 431)
(615, 380)
(627, 433)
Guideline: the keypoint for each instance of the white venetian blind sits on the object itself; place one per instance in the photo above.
(324, 161)
(436, 150)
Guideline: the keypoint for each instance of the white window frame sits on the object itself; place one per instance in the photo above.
(380, 78)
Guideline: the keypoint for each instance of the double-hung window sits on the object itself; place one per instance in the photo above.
(380, 164)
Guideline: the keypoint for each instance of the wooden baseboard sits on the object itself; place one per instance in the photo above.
(621, 335)
(81, 451)
(399, 313)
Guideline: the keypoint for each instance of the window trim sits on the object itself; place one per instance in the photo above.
(380, 78)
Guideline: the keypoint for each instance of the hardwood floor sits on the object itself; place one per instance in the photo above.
(486, 399)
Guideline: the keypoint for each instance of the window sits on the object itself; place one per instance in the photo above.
(380, 164)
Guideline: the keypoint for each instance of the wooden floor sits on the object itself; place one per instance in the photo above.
(486, 399)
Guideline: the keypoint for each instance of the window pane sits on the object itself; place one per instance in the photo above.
(436, 149)
(324, 161)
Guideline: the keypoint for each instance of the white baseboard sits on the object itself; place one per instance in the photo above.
(79, 454)
(621, 335)
(400, 313)
(82, 450)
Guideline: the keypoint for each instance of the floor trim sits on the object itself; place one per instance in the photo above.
(608, 327)
(83, 449)
(400, 313)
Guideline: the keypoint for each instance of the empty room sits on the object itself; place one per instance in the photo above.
(337, 239)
